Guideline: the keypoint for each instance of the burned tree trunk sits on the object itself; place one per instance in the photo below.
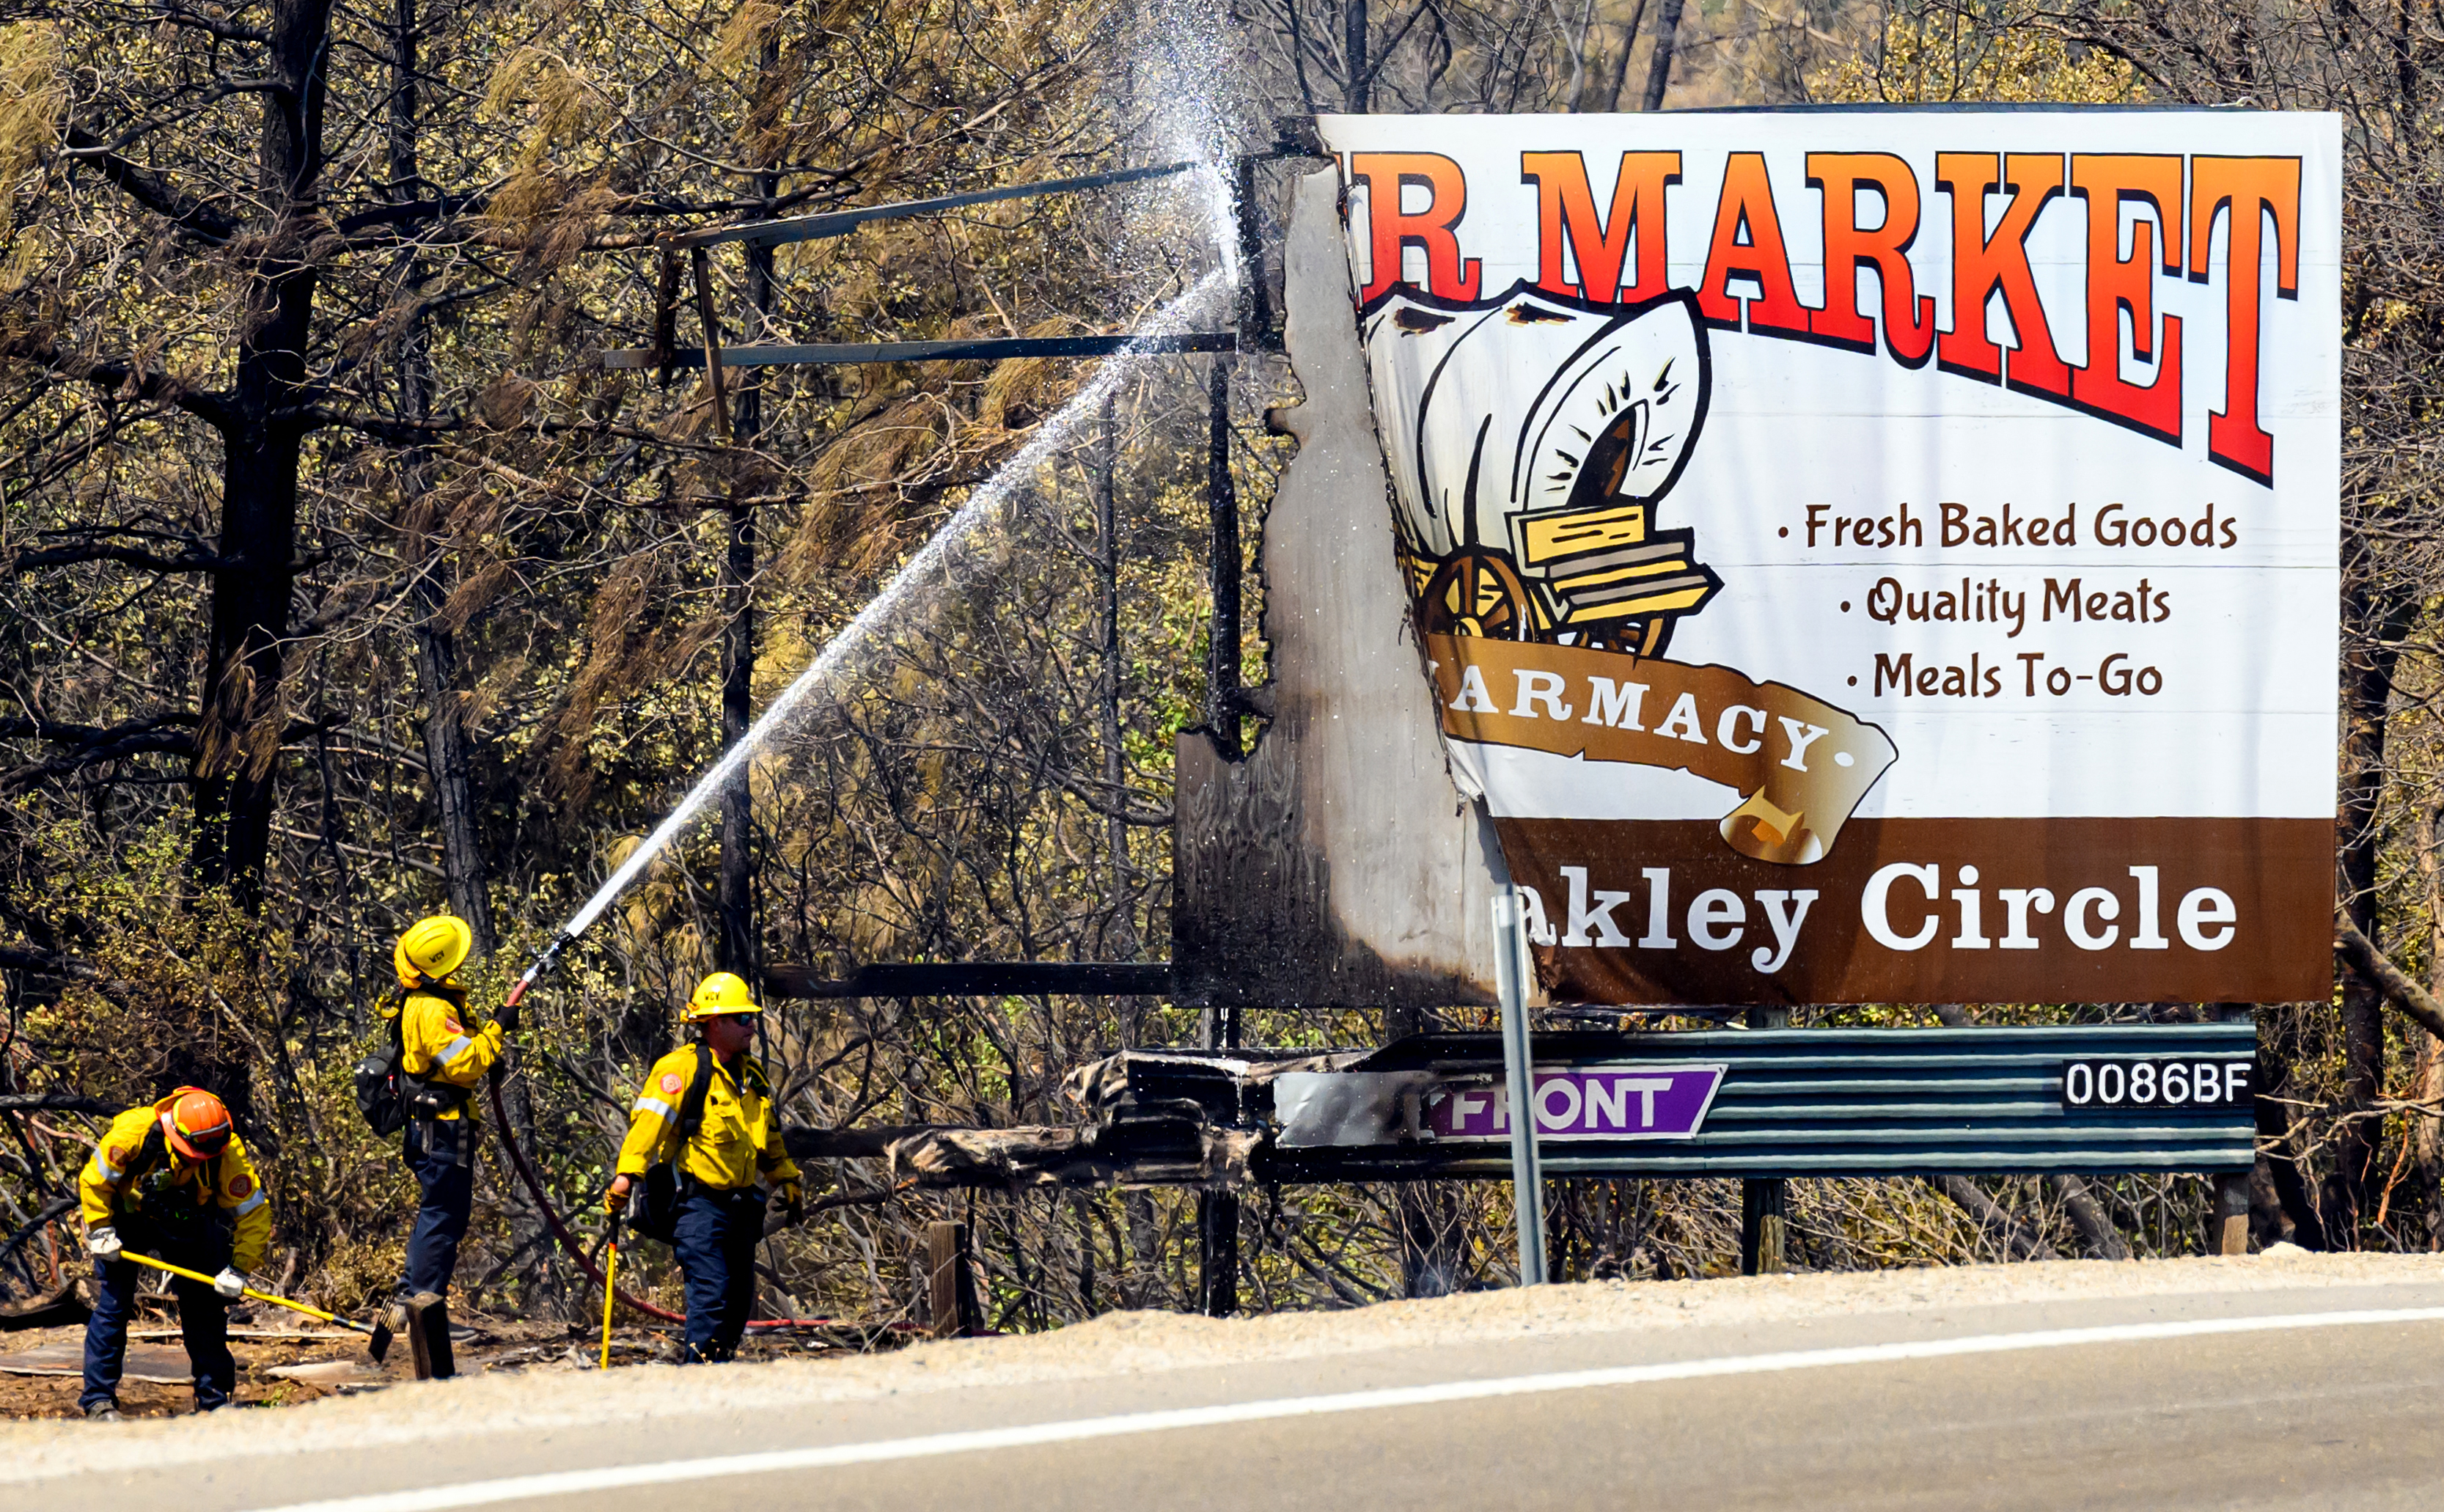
(237, 744)
(737, 878)
(449, 758)
(736, 886)
(1620, 64)
(237, 741)
(1658, 68)
(2428, 1085)
(2295, 1200)
(2372, 629)
(1358, 85)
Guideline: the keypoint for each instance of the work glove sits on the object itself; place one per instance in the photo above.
(614, 1200)
(790, 1195)
(103, 1243)
(507, 1017)
(229, 1283)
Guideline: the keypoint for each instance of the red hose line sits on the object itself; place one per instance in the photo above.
(901, 1327)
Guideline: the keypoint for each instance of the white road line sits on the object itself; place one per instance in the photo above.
(618, 1477)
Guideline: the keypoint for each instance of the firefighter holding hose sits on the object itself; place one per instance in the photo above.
(170, 1180)
(706, 1114)
(444, 1060)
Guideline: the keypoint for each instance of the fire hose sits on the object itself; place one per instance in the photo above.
(551, 1219)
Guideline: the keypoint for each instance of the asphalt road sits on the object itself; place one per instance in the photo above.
(2323, 1398)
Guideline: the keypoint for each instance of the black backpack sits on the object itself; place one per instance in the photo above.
(388, 1097)
(653, 1210)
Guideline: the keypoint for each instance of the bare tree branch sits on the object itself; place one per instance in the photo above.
(120, 376)
(2378, 972)
(152, 190)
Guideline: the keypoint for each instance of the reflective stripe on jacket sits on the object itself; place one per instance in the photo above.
(436, 1045)
(739, 1140)
(123, 1177)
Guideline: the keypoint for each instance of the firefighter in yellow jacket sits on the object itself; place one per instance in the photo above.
(170, 1179)
(706, 1107)
(439, 1051)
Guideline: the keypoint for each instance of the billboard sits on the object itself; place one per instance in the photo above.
(1877, 555)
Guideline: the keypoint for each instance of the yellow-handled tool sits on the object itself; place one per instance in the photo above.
(378, 1334)
(610, 1276)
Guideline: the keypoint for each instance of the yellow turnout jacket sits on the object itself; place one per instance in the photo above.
(740, 1138)
(135, 1171)
(436, 1045)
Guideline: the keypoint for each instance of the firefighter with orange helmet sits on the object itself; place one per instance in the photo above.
(170, 1179)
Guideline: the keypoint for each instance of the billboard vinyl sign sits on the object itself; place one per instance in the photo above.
(1876, 556)
(1587, 1102)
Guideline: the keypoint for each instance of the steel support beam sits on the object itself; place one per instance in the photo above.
(950, 979)
(991, 349)
(841, 222)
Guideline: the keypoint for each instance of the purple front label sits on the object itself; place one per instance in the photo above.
(1613, 1102)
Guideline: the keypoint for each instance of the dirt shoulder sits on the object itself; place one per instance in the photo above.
(543, 1393)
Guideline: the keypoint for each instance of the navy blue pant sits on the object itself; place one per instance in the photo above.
(441, 1155)
(716, 1241)
(203, 1317)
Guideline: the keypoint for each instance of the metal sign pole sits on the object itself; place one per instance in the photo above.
(1511, 968)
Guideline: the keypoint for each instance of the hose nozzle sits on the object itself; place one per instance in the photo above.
(541, 963)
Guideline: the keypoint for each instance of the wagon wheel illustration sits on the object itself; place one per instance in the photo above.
(1475, 592)
(1631, 637)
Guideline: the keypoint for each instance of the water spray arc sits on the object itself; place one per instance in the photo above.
(934, 563)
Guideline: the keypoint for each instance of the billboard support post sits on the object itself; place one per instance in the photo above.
(1765, 1201)
(2228, 1218)
(1511, 966)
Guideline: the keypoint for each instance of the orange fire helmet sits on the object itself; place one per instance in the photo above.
(197, 1125)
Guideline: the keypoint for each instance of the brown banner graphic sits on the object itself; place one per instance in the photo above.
(1799, 765)
(1933, 910)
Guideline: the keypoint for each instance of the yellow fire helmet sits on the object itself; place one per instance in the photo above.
(430, 950)
(721, 993)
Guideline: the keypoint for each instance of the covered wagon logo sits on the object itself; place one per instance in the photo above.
(1532, 438)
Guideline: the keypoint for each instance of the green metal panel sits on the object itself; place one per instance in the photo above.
(1843, 1102)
